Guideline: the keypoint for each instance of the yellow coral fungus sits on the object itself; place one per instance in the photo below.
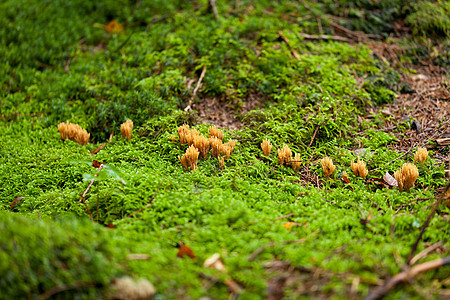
(202, 144)
(266, 147)
(73, 132)
(359, 168)
(421, 155)
(296, 162)
(126, 129)
(284, 155)
(232, 144)
(191, 135)
(183, 133)
(221, 162)
(190, 158)
(327, 166)
(226, 150)
(214, 132)
(216, 146)
(406, 176)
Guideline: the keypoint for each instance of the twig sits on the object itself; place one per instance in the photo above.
(103, 145)
(124, 42)
(425, 225)
(188, 108)
(285, 39)
(62, 288)
(324, 37)
(329, 201)
(285, 216)
(69, 60)
(89, 186)
(316, 84)
(425, 252)
(212, 5)
(314, 135)
(407, 275)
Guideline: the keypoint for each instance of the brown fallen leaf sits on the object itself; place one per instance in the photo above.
(98, 149)
(96, 164)
(390, 180)
(111, 225)
(185, 251)
(15, 201)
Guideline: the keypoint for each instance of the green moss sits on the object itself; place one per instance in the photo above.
(38, 255)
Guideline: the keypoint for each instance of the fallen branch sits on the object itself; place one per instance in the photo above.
(188, 108)
(406, 276)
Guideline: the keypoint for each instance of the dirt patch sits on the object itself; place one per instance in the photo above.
(426, 109)
(222, 112)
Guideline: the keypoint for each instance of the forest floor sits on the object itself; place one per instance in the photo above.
(126, 219)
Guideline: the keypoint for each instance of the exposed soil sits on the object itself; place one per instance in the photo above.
(225, 113)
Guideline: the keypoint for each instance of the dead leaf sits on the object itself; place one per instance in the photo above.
(96, 164)
(15, 201)
(114, 27)
(214, 262)
(98, 149)
(111, 225)
(389, 179)
(185, 251)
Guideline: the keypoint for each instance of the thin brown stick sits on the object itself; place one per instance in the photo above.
(188, 108)
(62, 288)
(89, 186)
(427, 222)
(407, 275)
(316, 84)
(324, 37)
(285, 216)
(286, 40)
(314, 135)
(426, 251)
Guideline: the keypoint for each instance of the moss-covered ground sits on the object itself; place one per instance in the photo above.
(277, 231)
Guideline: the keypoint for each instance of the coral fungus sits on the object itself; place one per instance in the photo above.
(126, 129)
(327, 166)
